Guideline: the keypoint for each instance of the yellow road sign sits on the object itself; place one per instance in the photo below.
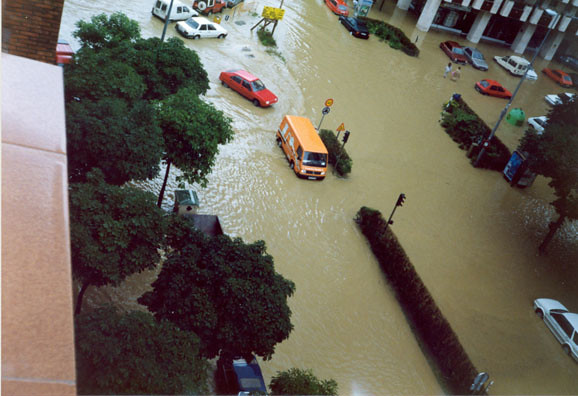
(273, 13)
(341, 127)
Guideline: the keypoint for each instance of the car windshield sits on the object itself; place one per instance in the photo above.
(192, 24)
(540, 122)
(477, 55)
(484, 83)
(342, 8)
(258, 85)
(566, 78)
(315, 159)
(458, 51)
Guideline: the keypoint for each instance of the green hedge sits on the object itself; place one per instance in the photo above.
(338, 157)
(396, 37)
(428, 322)
(465, 127)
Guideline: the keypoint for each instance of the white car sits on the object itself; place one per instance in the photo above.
(563, 324)
(538, 123)
(556, 99)
(199, 27)
(517, 66)
(179, 12)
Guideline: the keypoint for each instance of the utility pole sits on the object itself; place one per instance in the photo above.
(505, 110)
(400, 201)
(167, 20)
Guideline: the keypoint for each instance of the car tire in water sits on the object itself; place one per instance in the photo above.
(292, 165)
(256, 102)
(279, 143)
(221, 36)
(225, 84)
(350, 33)
(196, 37)
(540, 313)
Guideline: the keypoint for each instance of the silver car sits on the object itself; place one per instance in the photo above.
(563, 324)
(476, 58)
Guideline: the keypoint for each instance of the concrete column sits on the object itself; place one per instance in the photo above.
(523, 38)
(403, 4)
(428, 14)
(551, 45)
(478, 27)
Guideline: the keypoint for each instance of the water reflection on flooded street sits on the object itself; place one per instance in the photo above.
(472, 238)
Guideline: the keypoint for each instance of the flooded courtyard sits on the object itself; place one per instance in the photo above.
(472, 238)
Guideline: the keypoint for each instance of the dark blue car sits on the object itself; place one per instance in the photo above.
(569, 60)
(236, 375)
(356, 27)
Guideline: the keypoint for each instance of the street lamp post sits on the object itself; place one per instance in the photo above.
(505, 110)
(167, 20)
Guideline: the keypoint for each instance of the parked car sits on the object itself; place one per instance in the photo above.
(233, 3)
(179, 12)
(476, 58)
(563, 324)
(208, 7)
(64, 53)
(199, 27)
(556, 99)
(249, 86)
(559, 76)
(355, 26)
(454, 51)
(569, 60)
(492, 88)
(538, 123)
(237, 376)
(517, 66)
(339, 7)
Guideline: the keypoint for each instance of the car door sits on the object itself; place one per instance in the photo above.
(555, 324)
(203, 30)
(212, 31)
(236, 83)
(246, 90)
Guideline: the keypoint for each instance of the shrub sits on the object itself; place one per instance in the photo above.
(465, 127)
(301, 382)
(338, 157)
(266, 38)
(430, 325)
(396, 37)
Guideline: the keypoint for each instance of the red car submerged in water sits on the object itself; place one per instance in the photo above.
(559, 76)
(338, 7)
(249, 86)
(454, 51)
(492, 88)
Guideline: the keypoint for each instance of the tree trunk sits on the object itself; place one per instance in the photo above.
(162, 193)
(79, 297)
(554, 226)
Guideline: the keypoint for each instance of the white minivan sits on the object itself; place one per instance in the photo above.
(517, 66)
(179, 12)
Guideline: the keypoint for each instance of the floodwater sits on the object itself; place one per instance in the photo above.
(471, 237)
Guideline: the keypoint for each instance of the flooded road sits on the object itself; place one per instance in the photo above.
(471, 237)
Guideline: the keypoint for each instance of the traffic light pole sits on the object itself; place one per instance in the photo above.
(399, 202)
(486, 143)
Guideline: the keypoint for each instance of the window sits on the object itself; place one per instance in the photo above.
(158, 5)
(258, 85)
(185, 9)
(315, 159)
(246, 85)
(284, 130)
(192, 24)
(237, 79)
(203, 27)
(211, 27)
(575, 338)
(499, 89)
(556, 73)
(299, 152)
(179, 10)
(484, 83)
(564, 324)
(164, 7)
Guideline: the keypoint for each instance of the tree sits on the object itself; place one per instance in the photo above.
(132, 353)
(553, 155)
(114, 231)
(301, 382)
(111, 90)
(193, 131)
(224, 290)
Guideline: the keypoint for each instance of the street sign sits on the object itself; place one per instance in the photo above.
(325, 110)
(341, 127)
(273, 13)
(329, 102)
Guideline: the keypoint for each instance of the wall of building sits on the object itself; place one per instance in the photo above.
(30, 28)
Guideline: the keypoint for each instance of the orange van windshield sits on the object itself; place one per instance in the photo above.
(315, 159)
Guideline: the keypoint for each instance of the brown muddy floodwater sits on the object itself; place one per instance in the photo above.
(472, 238)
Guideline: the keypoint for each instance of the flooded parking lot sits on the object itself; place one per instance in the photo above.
(471, 237)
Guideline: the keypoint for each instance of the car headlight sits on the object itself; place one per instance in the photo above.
(302, 170)
(322, 173)
(267, 102)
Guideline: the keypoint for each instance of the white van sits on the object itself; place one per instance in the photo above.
(179, 12)
(516, 65)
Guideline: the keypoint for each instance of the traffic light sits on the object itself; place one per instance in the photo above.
(345, 137)
(400, 200)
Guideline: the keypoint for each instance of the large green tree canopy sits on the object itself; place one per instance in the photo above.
(111, 87)
(553, 154)
(224, 290)
(132, 353)
(114, 231)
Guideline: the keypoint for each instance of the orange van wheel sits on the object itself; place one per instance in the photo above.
(279, 143)
(292, 165)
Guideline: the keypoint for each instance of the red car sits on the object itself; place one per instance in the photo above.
(64, 53)
(338, 7)
(249, 86)
(208, 7)
(454, 51)
(492, 88)
(559, 76)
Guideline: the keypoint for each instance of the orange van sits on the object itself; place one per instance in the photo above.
(303, 147)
